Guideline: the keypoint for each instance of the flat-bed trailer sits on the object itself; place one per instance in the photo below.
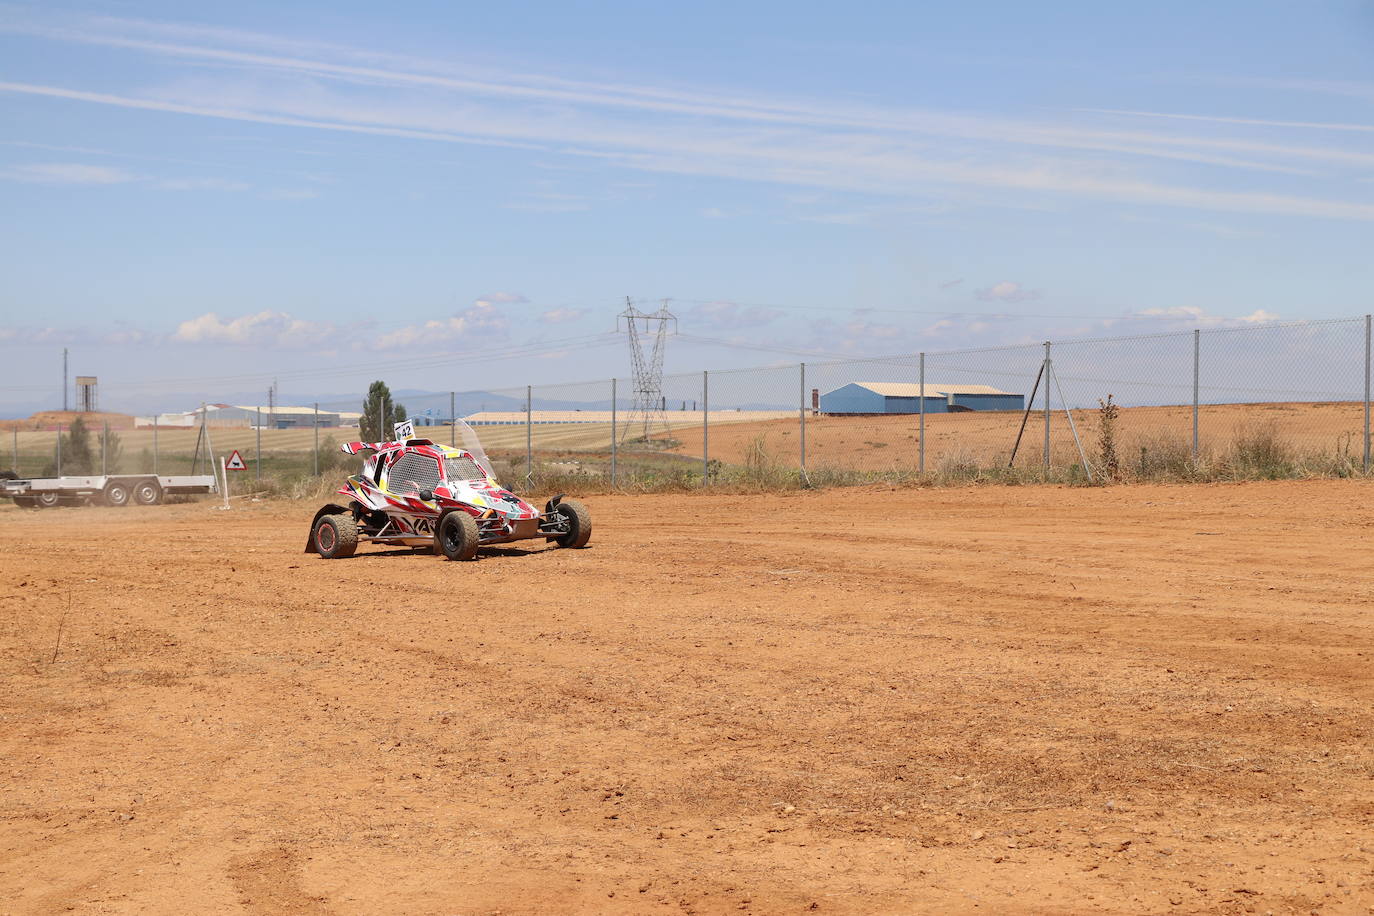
(103, 489)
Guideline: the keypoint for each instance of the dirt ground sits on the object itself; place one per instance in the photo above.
(1152, 699)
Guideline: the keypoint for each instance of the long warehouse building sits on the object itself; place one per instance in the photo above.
(902, 397)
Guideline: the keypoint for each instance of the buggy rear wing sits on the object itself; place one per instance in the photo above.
(353, 448)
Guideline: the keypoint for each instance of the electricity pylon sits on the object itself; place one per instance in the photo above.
(648, 414)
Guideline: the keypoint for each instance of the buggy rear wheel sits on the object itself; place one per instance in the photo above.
(336, 536)
(457, 536)
(579, 524)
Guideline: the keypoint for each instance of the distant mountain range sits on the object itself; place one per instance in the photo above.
(416, 401)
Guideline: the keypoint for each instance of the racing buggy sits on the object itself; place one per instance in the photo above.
(414, 492)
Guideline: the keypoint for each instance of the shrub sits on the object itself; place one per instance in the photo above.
(1107, 415)
(1257, 451)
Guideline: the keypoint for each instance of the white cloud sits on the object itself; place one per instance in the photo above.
(549, 206)
(858, 336)
(562, 315)
(263, 329)
(723, 315)
(813, 144)
(484, 318)
(200, 184)
(1256, 122)
(836, 219)
(503, 298)
(1007, 291)
(68, 173)
(298, 194)
(1196, 316)
(281, 330)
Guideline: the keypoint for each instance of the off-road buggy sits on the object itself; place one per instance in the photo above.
(414, 492)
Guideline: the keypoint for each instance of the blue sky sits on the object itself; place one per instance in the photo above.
(340, 191)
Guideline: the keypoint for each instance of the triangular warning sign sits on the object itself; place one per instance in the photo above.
(235, 462)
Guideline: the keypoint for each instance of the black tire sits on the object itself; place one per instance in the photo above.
(25, 502)
(47, 499)
(457, 536)
(117, 494)
(579, 524)
(336, 536)
(147, 492)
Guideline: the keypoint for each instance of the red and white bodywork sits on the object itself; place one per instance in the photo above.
(412, 482)
(407, 487)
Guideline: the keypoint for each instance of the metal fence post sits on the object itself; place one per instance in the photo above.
(803, 418)
(1367, 321)
(921, 435)
(1197, 374)
(257, 426)
(59, 450)
(104, 452)
(452, 421)
(15, 434)
(316, 424)
(529, 434)
(1047, 407)
(705, 429)
(613, 436)
(154, 445)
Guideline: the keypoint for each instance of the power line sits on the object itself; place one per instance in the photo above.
(766, 348)
(945, 313)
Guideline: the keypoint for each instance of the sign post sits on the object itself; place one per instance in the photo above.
(234, 462)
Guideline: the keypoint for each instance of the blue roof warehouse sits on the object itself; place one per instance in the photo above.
(901, 397)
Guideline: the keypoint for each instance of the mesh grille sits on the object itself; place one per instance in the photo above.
(463, 468)
(413, 472)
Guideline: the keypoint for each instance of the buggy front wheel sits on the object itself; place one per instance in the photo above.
(579, 522)
(336, 536)
(457, 536)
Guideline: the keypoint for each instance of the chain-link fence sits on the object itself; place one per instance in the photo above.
(1276, 400)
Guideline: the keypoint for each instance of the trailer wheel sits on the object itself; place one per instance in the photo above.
(47, 499)
(116, 493)
(147, 493)
(579, 523)
(336, 536)
(457, 536)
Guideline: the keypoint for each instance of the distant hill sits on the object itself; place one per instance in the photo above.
(48, 419)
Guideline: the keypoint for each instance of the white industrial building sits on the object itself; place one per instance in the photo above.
(231, 415)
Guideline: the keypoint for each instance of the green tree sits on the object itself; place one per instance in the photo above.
(77, 459)
(380, 414)
(113, 452)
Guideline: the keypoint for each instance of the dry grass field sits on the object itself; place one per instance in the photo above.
(1330, 431)
(882, 443)
(1150, 699)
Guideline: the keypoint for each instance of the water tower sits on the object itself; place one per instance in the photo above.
(86, 393)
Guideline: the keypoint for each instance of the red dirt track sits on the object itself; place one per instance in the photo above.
(1136, 699)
